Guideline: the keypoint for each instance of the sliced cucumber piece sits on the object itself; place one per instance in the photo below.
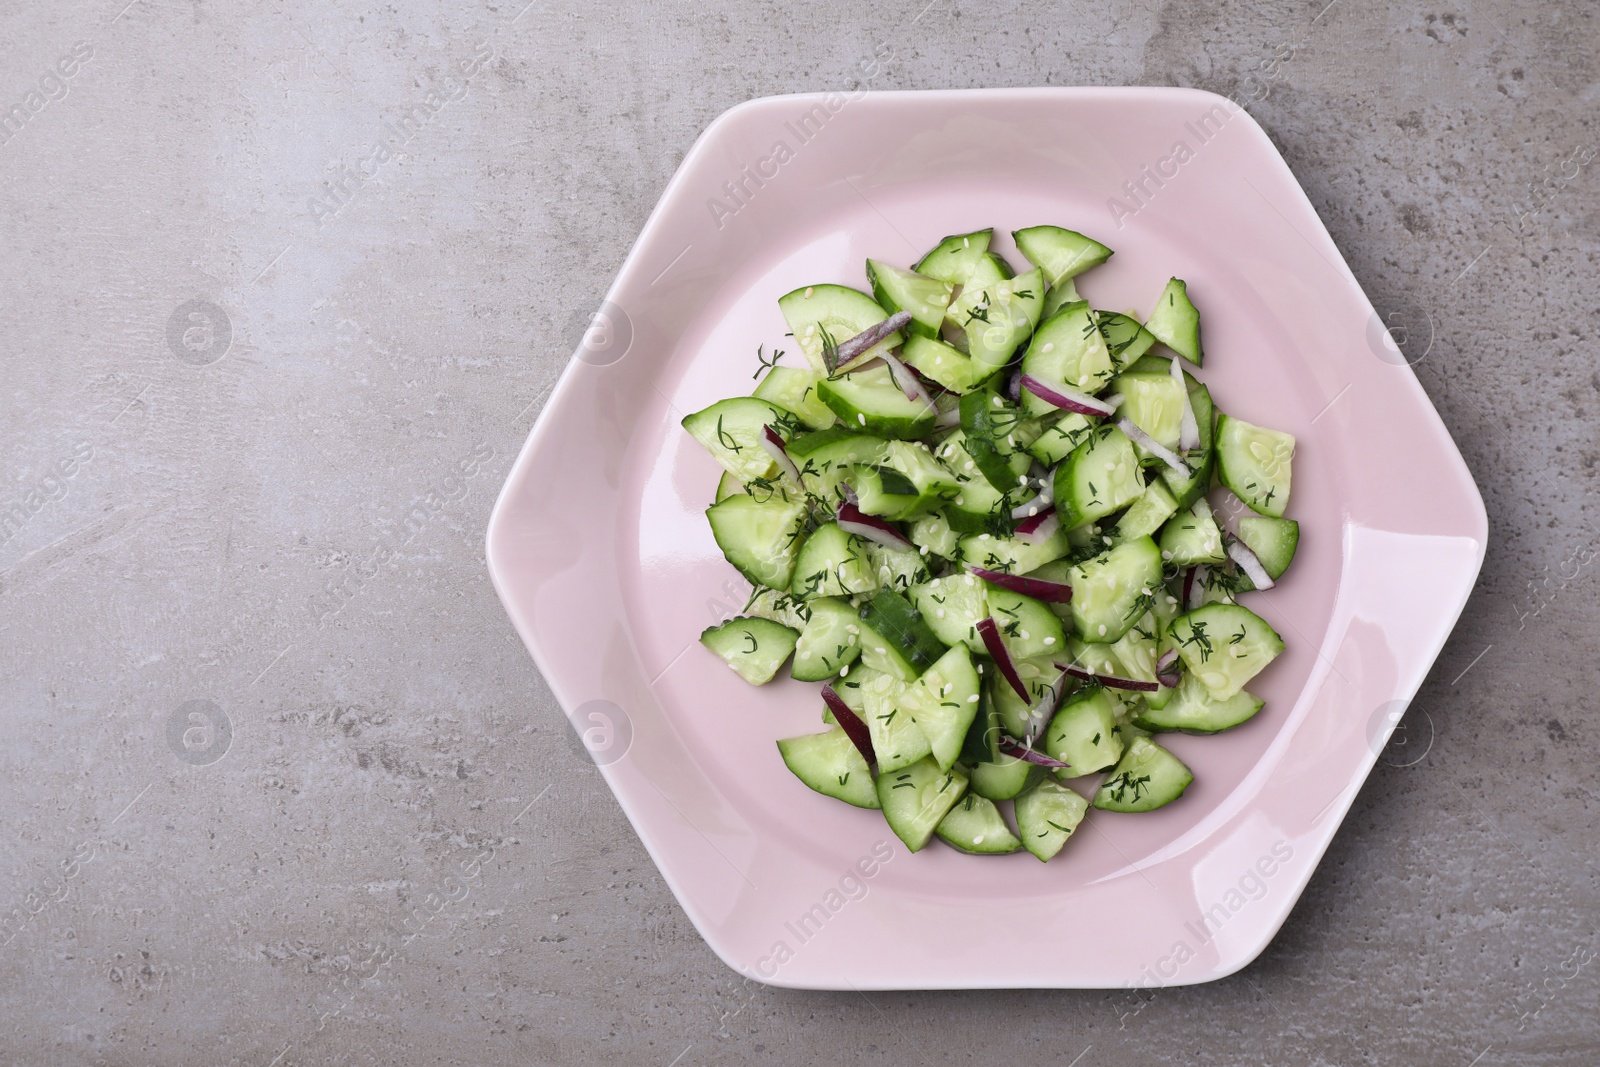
(932, 483)
(982, 743)
(897, 568)
(1056, 441)
(1176, 323)
(1046, 816)
(1027, 626)
(1059, 296)
(952, 606)
(957, 258)
(827, 458)
(1060, 253)
(1254, 463)
(975, 825)
(1154, 403)
(1146, 515)
(822, 317)
(895, 638)
(979, 506)
(1004, 777)
(945, 364)
(988, 423)
(925, 299)
(897, 740)
(916, 798)
(990, 269)
(932, 533)
(869, 401)
(1272, 540)
(832, 563)
(727, 486)
(731, 430)
(1126, 339)
(1081, 733)
(759, 537)
(754, 648)
(1013, 555)
(1099, 477)
(1146, 778)
(1068, 348)
(831, 764)
(1194, 710)
(1038, 677)
(1114, 589)
(1201, 461)
(944, 701)
(829, 642)
(997, 317)
(1224, 646)
(1192, 537)
(795, 389)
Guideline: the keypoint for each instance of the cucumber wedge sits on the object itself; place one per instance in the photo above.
(731, 430)
(976, 826)
(869, 401)
(829, 641)
(997, 317)
(1192, 537)
(761, 538)
(897, 740)
(1112, 591)
(1146, 778)
(916, 799)
(832, 563)
(1224, 646)
(827, 458)
(925, 299)
(1272, 540)
(1194, 710)
(1126, 338)
(822, 317)
(830, 763)
(1060, 253)
(1099, 477)
(754, 648)
(1047, 815)
(943, 701)
(1081, 734)
(1057, 440)
(1068, 348)
(957, 258)
(895, 638)
(1255, 463)
(1004, 778)
(795, 389)
(952, 606)
(945, 364)
(1176, 323)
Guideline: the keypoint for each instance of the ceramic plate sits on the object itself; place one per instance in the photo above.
(600, 550)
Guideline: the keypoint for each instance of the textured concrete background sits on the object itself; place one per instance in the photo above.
(206, 503)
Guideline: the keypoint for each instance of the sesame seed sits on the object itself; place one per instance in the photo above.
(1102, 629)
(861, 418)
(973, 699)
(1049, 641)
(978, 840)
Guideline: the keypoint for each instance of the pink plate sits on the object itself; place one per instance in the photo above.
(601, 553)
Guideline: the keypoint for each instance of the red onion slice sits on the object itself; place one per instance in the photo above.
(1040, 527)
(1189, 430)
(1017, 750)
(1065, 397)
(1110, 681)
(864, 340)
(853, 520)
(989, 630)
(1250, 563)
(854, 728)
(1038, 588)
(1154, 447)
(907, 380)
(774, 446)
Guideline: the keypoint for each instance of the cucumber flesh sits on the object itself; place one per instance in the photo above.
(822, 317)
(1056, 441)
(975, 825)
(831, 764)
(1192, 537)
(917, 797)
(1047, 815)
(1060, 253)
(1003, 778)
(832, 563)
(1186, 489)
(869, 401)
(943, 701)
(1194, 710)
(1146, 515)
(1272, 540)
(1126, 338)
(1176, 323)
(1112, 591)
(727, 486)
(1099, 477)
(1081, 734)
(1146, 778)
(828, 457)
(732, 429)
(925, 299)
(1154, 403)
(1224, 646)
(1254, 463)
(945, 364)
(952, 606)
(754, 648)
(932, 533)
(829, 642)
(897, 740)
(957, 258)
(762, 538)
(1068, 348)
(996, 318)
(795, 389)
(1013, 555)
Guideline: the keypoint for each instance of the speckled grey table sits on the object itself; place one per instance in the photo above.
(263, 379)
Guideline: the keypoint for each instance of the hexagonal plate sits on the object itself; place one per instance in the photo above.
(601, 553)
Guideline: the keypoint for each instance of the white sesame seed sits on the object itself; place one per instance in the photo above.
(861, 418)
(978, 840)
(1049, 641)
(973, 699)
(1102, 629)
(809, 291)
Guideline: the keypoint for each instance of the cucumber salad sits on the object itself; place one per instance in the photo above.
(981, 516)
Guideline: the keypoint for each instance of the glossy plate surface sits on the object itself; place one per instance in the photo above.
(600, 551)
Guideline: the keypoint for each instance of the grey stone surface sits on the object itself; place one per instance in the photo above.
(220, 516)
